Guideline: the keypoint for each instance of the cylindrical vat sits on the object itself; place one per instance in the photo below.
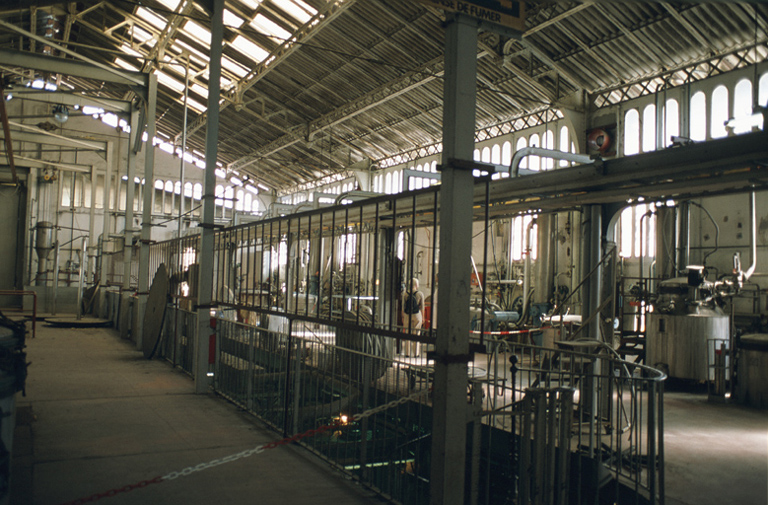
(680, 342)
(43, 243)
(752, 385)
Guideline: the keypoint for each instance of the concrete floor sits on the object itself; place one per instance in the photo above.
(98, 416)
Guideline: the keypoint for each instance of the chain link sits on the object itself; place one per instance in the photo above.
(246, 453)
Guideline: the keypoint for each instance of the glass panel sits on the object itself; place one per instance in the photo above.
(719, 112)
(698, 116)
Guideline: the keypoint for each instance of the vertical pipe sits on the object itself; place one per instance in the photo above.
(81, 279)
(209, 199)
(148, 192)
(129, 196)
(182, 168)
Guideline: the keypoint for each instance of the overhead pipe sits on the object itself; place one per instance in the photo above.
(753, 208)
(514, 167)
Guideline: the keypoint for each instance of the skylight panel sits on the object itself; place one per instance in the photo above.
(127, 49)
(200, 90)
(233, 66)
(198, 57)
(251, 4)
(297, 9)
(141, 35)
(194, 105)
(169, 81)
(124, 64)
(268, 27)
(249, 49)
(197, 32)
(151, 18)
(232, 20)
(170, 4)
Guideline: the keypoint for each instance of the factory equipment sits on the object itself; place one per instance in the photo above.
(752, 384)
(685, 319)
(43, 246)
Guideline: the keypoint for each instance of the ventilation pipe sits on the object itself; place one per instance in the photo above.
(753, 210)
(514, 167)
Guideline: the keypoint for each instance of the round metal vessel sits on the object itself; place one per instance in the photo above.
(680, 342)
(752, 386)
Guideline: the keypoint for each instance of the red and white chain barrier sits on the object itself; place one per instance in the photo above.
(243, 454)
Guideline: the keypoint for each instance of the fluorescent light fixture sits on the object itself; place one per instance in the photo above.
(221, 174)
(260, 185)
(197, 32)
(38, 84)
(268, 27)
(249, 49)
(252, 189)
(151, 18)
(235, 181)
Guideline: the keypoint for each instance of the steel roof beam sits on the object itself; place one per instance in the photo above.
(322, 19)
(86, 68)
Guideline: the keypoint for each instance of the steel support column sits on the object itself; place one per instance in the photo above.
(149, 191)
(452, 344)
(107, 192)
(129, 196)
(207, 234)
(591, 231)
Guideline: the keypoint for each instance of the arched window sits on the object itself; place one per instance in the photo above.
(742, 107)
(549, 143)
(522, 143)
(506, 153)
(671, 121)
(564, 144)
(698, 116)
(649, 128)
(719, 113)
(219, 194)
(762, 90)
(188, 189)
(485, 157)
(496, 154)
(534, 163)
(240, 200)
(248, 202)
(476, 155)
(229, 195)
(388, 184)
(631, 132)
(197, 191)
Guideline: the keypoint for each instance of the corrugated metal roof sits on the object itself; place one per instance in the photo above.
(362, 79)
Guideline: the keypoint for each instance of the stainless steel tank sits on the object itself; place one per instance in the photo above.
(752, 384)
(43, 244)
(680, 330)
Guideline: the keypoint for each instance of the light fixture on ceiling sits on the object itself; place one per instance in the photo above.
(61, 113)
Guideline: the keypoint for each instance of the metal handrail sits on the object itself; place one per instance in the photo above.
(11, 292)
